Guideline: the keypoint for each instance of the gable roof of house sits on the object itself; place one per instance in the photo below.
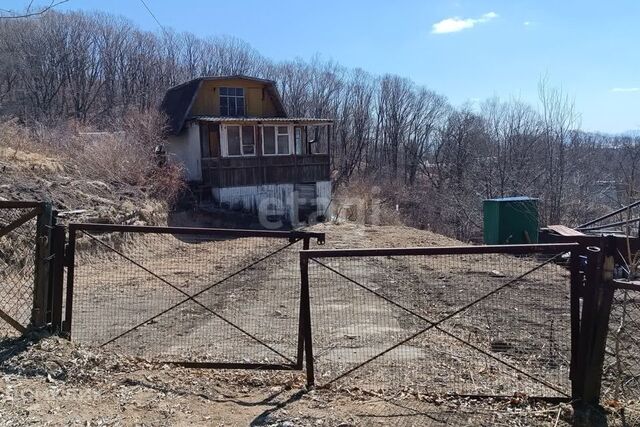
(178, 100)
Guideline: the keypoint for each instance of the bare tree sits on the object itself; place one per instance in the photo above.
(428, 110)
(30, 10)
(559, 122)
(395, 99)
(354, 124)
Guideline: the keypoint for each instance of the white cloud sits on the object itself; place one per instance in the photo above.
(455, 24)
(527, 23)
(625, 89)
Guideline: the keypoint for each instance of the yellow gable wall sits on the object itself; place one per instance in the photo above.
(207, 102)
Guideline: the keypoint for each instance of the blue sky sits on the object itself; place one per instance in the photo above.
(465, 50)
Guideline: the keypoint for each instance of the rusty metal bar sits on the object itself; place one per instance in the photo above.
(587, 320)
(626, 285)
(17, 204)
(57, 285)
(549, 248)
(234, 365)
(609, 215)
(19, 221)
(613, 224)
(575, 293)
(42, 267)
(70, 262)
(305, 304)
(11, 321)
(115, 228)
(597, 335)
(301, 319)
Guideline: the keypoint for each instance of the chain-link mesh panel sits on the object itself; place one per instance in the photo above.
(621, 370)
(482, 324)
(17, 267)
(188, 298)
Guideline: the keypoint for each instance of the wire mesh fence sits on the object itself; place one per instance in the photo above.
(18, 239)
(467, 324)
(621, 370)
(196, 298)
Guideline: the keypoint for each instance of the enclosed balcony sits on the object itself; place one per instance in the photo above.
(259, 151)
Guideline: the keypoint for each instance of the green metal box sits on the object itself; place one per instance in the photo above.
(510, 220)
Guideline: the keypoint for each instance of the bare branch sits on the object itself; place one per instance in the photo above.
(30, 11)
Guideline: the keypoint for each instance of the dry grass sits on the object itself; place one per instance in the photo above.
(111, 175)
(31, 160)
(366, 203)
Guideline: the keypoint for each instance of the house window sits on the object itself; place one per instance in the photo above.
(240, 141)
(248, 141)
(231, 101)
(297, 140)
(233, 141)
(275, 140)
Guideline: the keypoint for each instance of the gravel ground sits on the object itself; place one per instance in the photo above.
(51, 381)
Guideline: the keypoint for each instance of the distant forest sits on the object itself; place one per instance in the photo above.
(436, 161)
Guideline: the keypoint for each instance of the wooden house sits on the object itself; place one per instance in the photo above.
(238, 145)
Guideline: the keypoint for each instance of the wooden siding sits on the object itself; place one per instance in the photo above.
(243, 171)
(258, 101)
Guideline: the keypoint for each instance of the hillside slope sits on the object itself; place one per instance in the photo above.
(37, 176)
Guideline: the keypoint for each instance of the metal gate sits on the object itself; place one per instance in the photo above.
(190, 296)
(24, 267)
(468, 320)
(621, 370)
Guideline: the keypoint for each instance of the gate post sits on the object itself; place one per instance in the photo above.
(597, 299)
(587, 319)
(300, 354)
(44, 224)
(603, 296)
(575, 292)
(57, 277)
(69, 259)
(305, 305)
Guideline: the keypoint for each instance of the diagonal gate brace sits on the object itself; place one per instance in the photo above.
(192, 297)
(436, 325)
(11, 321)
(22, 219)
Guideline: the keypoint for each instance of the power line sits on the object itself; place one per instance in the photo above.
(153, 16)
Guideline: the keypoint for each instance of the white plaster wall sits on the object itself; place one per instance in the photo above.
(323, 197)
(185, 149)
(274, 199)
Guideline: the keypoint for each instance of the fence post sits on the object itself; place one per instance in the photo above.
(57, 277)
(306, 317)
(597, 298)
(41, 273)
(70, 263)
(575, 293)
(603, 295)
(587, 319)
(300, 355)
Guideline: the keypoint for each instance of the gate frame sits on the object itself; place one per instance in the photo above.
(549, 248)
(66, 325)
(45, 218)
